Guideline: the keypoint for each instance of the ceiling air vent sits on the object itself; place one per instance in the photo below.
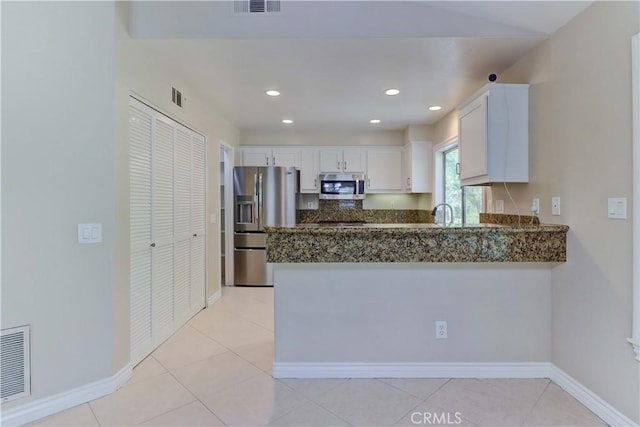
(15, 379)
(256, 6)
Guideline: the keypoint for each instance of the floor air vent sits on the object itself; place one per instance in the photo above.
(14, 363)
(256, 6)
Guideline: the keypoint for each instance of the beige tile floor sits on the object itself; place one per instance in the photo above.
(216, 371)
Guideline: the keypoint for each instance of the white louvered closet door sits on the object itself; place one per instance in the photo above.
(198, 223)
(140, 137)
(167, 212)
(182, 229)
(162, 259)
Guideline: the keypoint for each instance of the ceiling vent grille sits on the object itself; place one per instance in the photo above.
(256, 6)
(15, 381)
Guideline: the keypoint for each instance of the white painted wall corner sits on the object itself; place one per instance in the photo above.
(215, 297)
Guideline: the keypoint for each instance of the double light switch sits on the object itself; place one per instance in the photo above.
(90, 233)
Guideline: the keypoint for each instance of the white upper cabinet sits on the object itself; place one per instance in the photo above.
(493, 128)
(384, 170)
(270, 156)
(309, 170)
(418, 167)
(342, 160)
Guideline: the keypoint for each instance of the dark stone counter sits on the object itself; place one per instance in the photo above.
(421, 243)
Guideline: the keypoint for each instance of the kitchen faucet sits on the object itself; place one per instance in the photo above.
(444, 214)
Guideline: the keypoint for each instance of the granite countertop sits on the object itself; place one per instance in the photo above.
(320, 243)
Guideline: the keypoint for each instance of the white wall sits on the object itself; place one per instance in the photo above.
(293, 137)
(150, 75)
(57, 171)
(580, 149)
(496, 312)
(68, 70)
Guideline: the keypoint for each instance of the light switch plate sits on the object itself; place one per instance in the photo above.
(555, 206)
(90, 233)
(535, 206)
(617, 208)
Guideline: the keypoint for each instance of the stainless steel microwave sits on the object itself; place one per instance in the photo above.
(341, 186)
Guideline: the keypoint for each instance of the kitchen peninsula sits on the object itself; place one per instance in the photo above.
(363, 300)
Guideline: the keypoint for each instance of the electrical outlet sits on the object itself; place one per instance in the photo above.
(535, 206)
(309, 205)
(555, 206)
(441, 329)
(499, 206)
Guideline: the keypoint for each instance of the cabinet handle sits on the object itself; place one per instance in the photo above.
(153, 245)
(369, 182)
(315, 182)
(457, 168)
(345, 165)
(267, 160)
(338, 165)
(408, 181)
(274, 161)
(195, 234)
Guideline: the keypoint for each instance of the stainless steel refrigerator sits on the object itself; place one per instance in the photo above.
(263, 196)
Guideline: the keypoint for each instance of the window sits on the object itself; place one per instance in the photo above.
(467, 202)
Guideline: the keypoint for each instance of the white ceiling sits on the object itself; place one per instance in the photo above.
(333, 60)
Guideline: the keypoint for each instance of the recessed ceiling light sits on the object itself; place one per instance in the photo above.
(391, 92)
(435, 108)
(287, 121)
(273, 93)
(374, 121)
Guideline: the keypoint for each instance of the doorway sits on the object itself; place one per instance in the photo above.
(226, 214)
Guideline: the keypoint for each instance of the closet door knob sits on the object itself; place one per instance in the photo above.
(153, 245)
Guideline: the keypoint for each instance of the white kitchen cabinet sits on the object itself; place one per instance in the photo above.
(418, 167)
(270, 156)
(342, 160)
(493, 128)
(384, 170)
(309, 170)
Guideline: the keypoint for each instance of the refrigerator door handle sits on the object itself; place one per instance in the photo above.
(259, 205)
(256, 200)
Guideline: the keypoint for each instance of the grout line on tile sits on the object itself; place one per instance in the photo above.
(175, 409)
(93, 413)
(524, 421)
(419, 397)
(329, 410)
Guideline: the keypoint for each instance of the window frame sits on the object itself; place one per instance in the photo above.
(439, 151)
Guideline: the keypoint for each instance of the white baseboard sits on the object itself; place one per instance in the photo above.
(46, 406)
(411, 370)
(215, 297)
(595, 403)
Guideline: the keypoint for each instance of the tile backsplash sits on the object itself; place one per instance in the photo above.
(352, 210)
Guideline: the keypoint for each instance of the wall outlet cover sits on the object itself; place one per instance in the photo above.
(441, 329)
(555, 206)
(499, 206)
